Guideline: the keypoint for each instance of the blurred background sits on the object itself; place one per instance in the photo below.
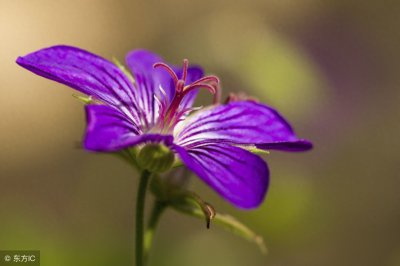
(330, 67)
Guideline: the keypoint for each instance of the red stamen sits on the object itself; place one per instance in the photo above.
(217, 95)
(172, 113)
(185, 69)
(170, 71)
(179, 86)
(207, 79)
(212, 89)
(209, 82)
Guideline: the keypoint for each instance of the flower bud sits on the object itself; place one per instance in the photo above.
(156, 158)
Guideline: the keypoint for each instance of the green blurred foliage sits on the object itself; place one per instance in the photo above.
(329, 66)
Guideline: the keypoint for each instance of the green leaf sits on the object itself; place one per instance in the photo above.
(191, 200)
(232, 224)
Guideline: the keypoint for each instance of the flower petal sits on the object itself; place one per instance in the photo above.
(109, 130)
(85, 72)
(237, 175)
(149, 80)
(241, 123)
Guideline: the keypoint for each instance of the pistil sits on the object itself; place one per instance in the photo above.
(173, 113)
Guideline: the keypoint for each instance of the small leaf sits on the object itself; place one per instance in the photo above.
(199, 209)
(232, 224)
(190, 200)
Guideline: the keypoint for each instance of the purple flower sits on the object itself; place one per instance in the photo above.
(154, 107)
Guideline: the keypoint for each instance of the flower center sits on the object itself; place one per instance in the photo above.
(171, 114)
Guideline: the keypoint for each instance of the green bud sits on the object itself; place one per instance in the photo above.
(168, 186)
(156, 158)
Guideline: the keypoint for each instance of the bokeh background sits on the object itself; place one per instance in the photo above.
(331, 67)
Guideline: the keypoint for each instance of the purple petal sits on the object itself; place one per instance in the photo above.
(85, 72)
(237, 175)
(149, 80)
(241, 123)
(109, 130)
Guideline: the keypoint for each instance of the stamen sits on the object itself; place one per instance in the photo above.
(207, 79)
(160, 104)
(164, 93)
(217, 95)
(187, 110)
(180, 85)
(212, 89)
(184, 112)
(185, 69)
(209, 82)
(170, 71)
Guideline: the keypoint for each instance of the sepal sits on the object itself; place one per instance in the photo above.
(155, 157)
(129, 155)
(83, 98)
(123, 69)
(187, 201)
(169, 186)
(258, 151)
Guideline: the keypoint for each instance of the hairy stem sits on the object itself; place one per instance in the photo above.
(140, 202)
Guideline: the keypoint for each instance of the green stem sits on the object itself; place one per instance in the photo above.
(158, 209)
(141, 195)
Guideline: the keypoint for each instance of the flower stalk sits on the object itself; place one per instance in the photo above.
(140, 202)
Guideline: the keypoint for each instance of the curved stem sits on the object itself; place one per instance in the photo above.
(158, 209)
(141, 195)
